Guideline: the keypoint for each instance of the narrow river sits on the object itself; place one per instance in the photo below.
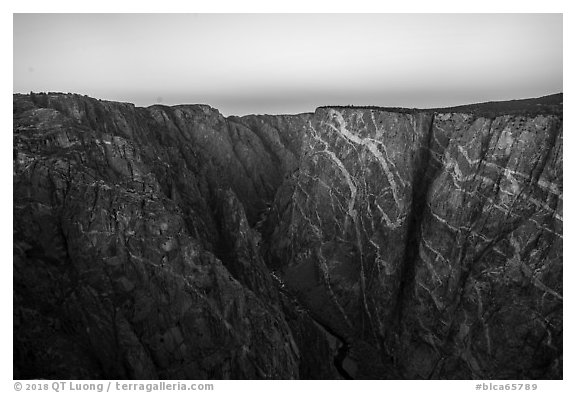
(341, 352)
(339, 360)
(335, 340)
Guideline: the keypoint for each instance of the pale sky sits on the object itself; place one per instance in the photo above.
(290, 63)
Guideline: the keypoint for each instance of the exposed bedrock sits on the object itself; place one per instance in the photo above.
(172, 242)
(434, 241)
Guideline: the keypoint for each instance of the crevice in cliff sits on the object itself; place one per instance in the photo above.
(421, 181)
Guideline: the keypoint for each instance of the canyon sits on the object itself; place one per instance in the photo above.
(171, 242)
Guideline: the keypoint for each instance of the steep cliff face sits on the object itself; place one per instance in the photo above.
(171, 242)
(431, 243)
(133, 256)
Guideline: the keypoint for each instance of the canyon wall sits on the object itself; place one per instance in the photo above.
(172, 242)
(432, 240)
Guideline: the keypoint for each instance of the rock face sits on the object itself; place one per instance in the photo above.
(431, 242)
(172, 242)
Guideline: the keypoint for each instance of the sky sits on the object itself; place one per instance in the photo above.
(290, 63)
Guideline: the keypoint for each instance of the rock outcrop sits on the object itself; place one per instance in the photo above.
(172, 242)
